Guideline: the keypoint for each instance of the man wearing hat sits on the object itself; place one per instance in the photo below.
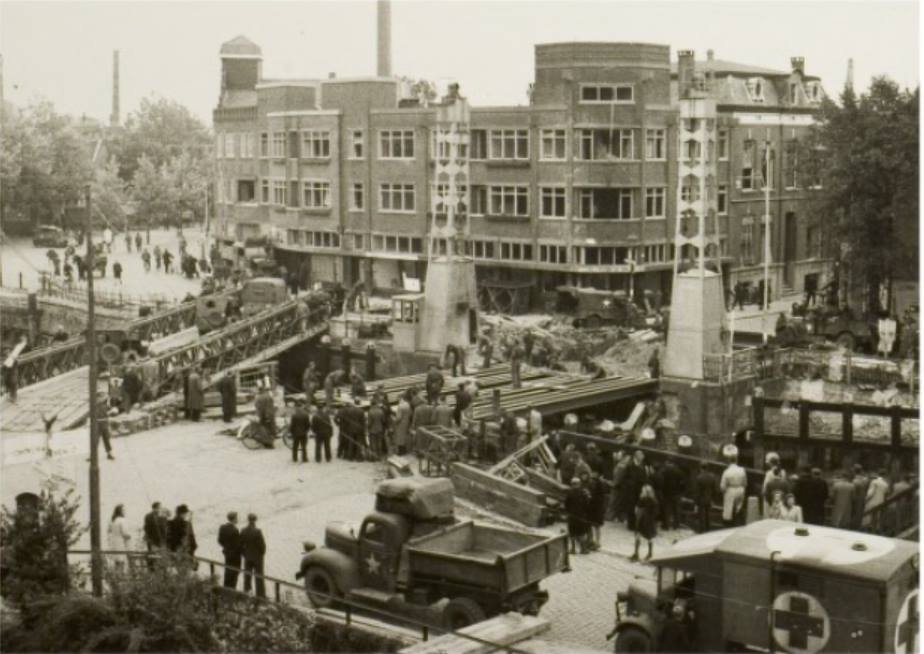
(180, 535)
(253, 547)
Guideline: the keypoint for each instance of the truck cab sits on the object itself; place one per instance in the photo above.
(593, 308)
(778, 586)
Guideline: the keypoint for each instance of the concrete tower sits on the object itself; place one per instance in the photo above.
(241, 65)
(698, 320)
(114, 119)
(383, 41)
(449, 314)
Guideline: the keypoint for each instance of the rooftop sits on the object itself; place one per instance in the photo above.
(722, 67)
(240, 46)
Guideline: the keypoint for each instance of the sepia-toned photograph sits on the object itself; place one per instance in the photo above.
(460, 326)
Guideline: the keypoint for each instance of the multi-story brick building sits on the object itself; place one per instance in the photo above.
(579, 186)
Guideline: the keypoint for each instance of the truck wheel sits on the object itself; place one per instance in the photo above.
(847, 341)
(632, 639)
(461, 612)
(321, 588)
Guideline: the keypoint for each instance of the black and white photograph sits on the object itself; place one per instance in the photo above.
(460, 326)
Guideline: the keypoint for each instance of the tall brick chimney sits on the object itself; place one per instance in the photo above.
(686, 67)
(798, 64)
(114, 118)
(383, 16)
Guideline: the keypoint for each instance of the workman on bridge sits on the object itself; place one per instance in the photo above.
(517, 354)
(486, 349)
(310, 382)
(227, 388)
(331, 382)
(195, 397)
(434, 383)
(357, 385)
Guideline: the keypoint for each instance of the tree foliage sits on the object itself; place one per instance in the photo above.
(864, 152)
(34, 546)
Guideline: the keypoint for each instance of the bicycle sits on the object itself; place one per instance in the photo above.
(254, 435)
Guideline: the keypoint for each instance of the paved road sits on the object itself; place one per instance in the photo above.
(190, 463)
(18, 255)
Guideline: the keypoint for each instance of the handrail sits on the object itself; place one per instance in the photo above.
(874, 515)
(350, 604)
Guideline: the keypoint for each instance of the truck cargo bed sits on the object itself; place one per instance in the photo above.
(470, 553)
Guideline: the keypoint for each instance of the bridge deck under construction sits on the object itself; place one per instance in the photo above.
(548, 391)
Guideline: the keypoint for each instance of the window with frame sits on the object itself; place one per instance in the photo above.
(722, 144)
(478, 141)
(747, 165)
(509, 201)
(396, 144)
(397, 197)
(792, 162)
(359, 241)
(553, 202)
(264, 144)
(279, 192)
(278, 145)
(605, 203)
(607, 144)
(553, 145)
(264, 191)
(607, 93)
(220, 146)
(230, 139)
(690, 191)
(316, 194)
(357, 144)
(654, 202)
(722, 199)
(479, 200)
(553, 254)
(747, 240)
(357, 196)
(295, 236)
(439, 208)
(509, 144)
(767, 168)
(293, 148)
(315, 144)
(442, 149)
(692, 150)
(246, 190)
(655, 144)
(755, 89)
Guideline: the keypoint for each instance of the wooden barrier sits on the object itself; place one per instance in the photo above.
(509, 499)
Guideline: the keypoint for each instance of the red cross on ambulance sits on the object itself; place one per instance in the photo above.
(800, 623)
(906, 626)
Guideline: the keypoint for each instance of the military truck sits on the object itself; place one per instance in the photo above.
(413, 558)
(827, 324)
(592, 308)
(778, 586)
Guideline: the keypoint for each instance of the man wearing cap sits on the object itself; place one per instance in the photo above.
(253, 549)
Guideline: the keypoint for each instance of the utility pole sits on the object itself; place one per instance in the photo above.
(96, 558)
(766, 298)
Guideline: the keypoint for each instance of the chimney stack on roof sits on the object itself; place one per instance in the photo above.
(114, 118)
(849, 83)
(798, 65)
(686, 67)
(383, 16)
(710, 54)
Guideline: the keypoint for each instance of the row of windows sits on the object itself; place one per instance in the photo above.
(316, 239)
(493, 200)
(495, 144)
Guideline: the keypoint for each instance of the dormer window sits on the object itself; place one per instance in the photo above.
(813, 91)
(755, 87)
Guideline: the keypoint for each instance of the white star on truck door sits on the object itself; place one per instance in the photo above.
(373, 563)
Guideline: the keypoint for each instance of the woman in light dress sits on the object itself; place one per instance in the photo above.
(119, 538)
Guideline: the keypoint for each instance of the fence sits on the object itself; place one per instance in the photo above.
(77, 292)
(350, 608)
(732, 366)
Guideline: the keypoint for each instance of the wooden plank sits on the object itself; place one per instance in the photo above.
(503, 630)
(551, 487)
(494, 500)
(522, 493)
(529, 447)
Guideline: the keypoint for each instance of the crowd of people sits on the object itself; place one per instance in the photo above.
(244, 549)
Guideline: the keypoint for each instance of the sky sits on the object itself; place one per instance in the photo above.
(62, 51)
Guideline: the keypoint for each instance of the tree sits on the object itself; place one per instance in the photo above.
(160, 130)
(35, 540)
(156, 195)
(109, 195)
(864, 154)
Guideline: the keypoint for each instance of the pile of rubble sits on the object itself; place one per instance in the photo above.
(619, 350)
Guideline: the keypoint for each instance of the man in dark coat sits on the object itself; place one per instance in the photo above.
(636, 476)
(433, 383)
(180, 535)
(227, 388)
(310, 382)
(266, 415)
(323, 431)
(705, 485)
(672, 483)
(509, 433)
(299, 426)
(516, 363)
(155, 531)
(131, 388)
(229, 537)
(816, 496)
(195, 399)
(463, 401)
(377, 419)
(352, 420)
(253, 549)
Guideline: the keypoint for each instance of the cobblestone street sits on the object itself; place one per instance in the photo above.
(189, 463)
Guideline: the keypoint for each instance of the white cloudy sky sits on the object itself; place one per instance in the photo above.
(63, 50)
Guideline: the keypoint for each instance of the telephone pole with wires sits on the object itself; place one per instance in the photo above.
(768, 176)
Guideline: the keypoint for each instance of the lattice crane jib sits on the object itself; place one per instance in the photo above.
(449, 197)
